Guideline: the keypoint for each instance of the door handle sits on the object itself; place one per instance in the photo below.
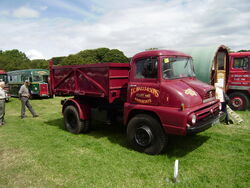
(132, 85)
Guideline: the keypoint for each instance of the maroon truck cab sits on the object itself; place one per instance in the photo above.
(238, 86)
(156, 94)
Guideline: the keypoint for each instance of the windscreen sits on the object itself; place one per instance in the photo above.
(40, 76)
(177, 67)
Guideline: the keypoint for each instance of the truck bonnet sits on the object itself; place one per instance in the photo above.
(201, 88)
(186, 91)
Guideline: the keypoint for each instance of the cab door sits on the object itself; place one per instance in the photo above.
(144, 85)
(240, 73)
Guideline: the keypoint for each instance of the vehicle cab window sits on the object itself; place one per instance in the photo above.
(177, 67)
(241, 63)
(146, 68)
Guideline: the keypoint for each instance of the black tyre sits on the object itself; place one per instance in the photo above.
(72, 122)
(145, 134)
(238, 101)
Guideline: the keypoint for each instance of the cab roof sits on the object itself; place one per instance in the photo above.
(153, 53)
(238, 54)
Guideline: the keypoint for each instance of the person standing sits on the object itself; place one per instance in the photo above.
(24, 96)
(2, 103)
(220, 94)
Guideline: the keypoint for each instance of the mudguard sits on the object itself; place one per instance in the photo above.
(82, 108)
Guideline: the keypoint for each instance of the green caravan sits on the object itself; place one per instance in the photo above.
(37, 77)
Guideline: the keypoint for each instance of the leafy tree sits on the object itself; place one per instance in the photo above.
(58, 60)
(88, 56)
(99, 55)
(3, 62)
(14, 60)
(72, 60)
(39, 63)
(115, 56)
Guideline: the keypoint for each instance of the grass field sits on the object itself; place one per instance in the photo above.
(38, 152)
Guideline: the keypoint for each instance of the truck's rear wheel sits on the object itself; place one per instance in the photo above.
(72, 122)
(145, 134)
(238, 101)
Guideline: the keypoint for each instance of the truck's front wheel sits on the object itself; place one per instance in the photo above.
(72, 121)
(145, 134)
(238, 101)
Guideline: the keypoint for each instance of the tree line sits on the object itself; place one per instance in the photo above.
(16, 60)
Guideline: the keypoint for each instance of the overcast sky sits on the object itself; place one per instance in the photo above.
(48, 28)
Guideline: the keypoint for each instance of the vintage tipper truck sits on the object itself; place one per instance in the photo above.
(157, 94)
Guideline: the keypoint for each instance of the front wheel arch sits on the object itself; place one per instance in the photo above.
(135, 112)
(82, 109)
(72, 121)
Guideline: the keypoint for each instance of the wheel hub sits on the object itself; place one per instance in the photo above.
(143, 136)
(237, 102)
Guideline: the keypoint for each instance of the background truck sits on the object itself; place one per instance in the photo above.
(156, 94)
(238, 87)
(215, 64)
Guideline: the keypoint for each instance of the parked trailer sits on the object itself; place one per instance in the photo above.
(156, 94)
(214, 65)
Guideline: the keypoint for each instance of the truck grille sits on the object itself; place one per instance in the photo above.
(206, 113)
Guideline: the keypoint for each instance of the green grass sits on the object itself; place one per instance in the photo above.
(38, 152)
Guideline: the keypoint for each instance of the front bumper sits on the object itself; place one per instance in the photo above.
(204, 124)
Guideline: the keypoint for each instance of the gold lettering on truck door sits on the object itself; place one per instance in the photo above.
(144, 95)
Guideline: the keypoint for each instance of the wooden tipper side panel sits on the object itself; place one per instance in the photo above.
(107, 80)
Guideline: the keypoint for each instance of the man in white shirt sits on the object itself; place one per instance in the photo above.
(2, 102)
